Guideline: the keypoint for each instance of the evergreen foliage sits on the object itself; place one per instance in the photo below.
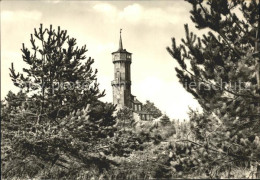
(59, 76)
(152, 109)
(125, 118)
(55, 132)
(221, 70)
(57, 128)
(165, 120)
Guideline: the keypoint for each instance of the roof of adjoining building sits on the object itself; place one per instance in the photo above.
(134, 100)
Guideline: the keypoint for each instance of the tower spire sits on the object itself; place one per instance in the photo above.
(120, 42)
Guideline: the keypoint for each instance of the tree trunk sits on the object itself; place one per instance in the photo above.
(256, 55)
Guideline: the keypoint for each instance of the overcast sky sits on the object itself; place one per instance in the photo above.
(148, 27)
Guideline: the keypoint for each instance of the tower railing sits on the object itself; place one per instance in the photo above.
(116, 82)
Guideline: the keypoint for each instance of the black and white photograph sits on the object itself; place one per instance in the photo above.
(130, 89)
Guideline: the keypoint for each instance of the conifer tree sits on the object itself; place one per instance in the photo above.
(125, 118)
(221, 70)
(13, 100)
(151, 108)
(50, 130)
(165, 120)
(59, 76)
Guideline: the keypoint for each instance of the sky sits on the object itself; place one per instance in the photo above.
(147, 29)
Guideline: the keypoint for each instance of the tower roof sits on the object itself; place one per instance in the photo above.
(120, 41)
(120, 49)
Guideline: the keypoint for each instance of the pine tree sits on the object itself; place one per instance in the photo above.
(151, 108)
(59, 75)
(165, 120)
(221, 70)
(125, 118)
(49, 130)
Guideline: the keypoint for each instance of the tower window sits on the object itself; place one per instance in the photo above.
(118, 76)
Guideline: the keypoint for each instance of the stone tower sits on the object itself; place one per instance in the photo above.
(122, 76)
